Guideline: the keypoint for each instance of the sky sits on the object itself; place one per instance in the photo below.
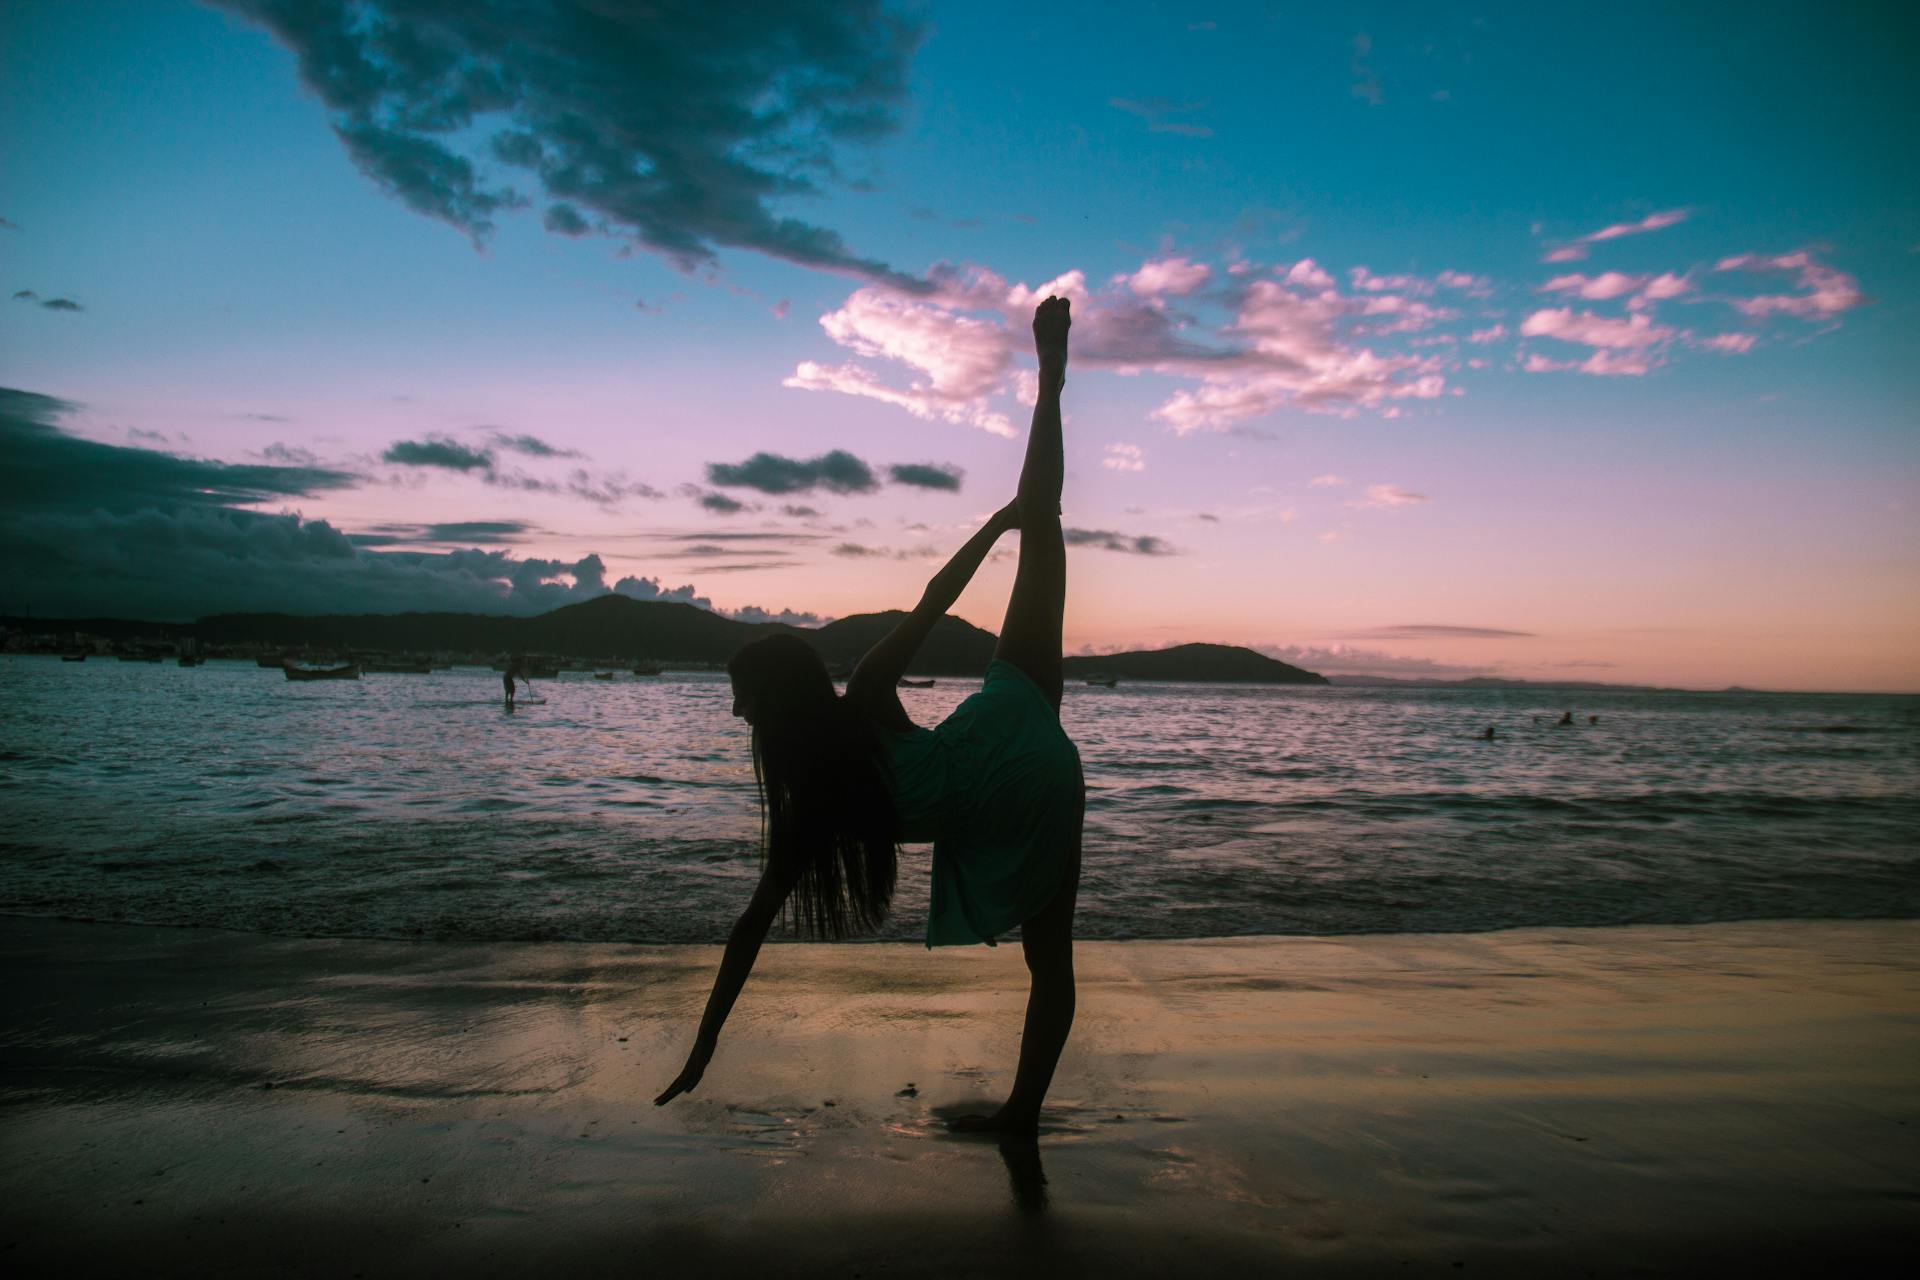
(1409, 340)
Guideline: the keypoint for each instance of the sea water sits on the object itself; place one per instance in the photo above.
(417, 806)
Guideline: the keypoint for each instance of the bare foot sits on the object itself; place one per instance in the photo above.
(1001, 1123)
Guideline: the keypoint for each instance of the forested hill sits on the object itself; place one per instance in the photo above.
(1222, 662)
(617, 627)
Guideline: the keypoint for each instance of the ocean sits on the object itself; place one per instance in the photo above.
(414, 806)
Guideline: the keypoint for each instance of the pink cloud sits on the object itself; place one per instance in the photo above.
(1608, 284)
(1389, 496)
(1652, 222)
(1328, 481)
(1730, 343)
(1368, 282)
(1125, 457)
(1666, 285)
(1293, 342)
(1828, 291)
(1176, 276)
(1479, 286)
(1307, 274)
(1492, 334)
(1634, 333)
(1599, 364)
(1577, 249)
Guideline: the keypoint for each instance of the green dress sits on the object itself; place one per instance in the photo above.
(997, 788)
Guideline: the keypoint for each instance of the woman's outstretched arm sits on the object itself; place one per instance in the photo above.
(743, 947)
(880, 670)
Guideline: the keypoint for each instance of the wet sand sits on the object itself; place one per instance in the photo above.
(1540, 1102)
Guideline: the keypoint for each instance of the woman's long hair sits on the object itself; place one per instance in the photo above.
(826, 816)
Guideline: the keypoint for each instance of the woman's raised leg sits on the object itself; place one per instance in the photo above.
(1030, 635)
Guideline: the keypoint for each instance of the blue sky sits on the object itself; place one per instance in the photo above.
(1595, 486)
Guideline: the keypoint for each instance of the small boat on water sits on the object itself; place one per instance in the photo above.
(603, 675)
(646, 671)
(915, 684)
(1105, 682)
(351, 671)
(73, 657)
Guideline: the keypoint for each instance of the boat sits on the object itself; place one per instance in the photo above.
(603, 675)
(351, 671)
(73, 657)
(1105, 682)
(916, 684)
(646, 671)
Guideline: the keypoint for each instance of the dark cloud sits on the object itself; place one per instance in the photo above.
(800, 513)
(289, 455)
(565, 220)
(836, 472)
(90, 529)
(854, 551)
(438, 451)
(265, 417)
(927, 475)
(450, 455)
(9, 225)
(677, 124)
(532, 446)
(1428, 631)
(606, 490)
(476, 531)
(25, 295)
(1107, 540)
(47, 468)
(62, 304)
(1209, 517)
(722, 503)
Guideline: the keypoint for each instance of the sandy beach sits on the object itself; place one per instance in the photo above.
(1581, 1102)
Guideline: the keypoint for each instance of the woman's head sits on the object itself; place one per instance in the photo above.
(781, 684)
(827, 817)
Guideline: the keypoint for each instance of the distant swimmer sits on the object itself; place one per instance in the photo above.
(1593, 719)
(1488, 735)
(1567, 718)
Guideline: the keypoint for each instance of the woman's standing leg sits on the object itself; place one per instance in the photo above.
(1030, 639)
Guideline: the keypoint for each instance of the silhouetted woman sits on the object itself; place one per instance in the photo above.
(996, 786)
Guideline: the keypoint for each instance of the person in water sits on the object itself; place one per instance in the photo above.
(515, 667)
(1566, 718)
(996, 786)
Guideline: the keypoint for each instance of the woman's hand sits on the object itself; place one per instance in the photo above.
(1051, 320)
(689, 1077)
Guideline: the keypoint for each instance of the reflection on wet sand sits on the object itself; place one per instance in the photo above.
(195, 1102)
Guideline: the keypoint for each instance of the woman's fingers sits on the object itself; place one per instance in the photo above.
(684, 1084)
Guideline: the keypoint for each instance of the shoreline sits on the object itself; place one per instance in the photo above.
(1630, 1099)
(776, 938)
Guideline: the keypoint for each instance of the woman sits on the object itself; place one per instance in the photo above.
(996, 787)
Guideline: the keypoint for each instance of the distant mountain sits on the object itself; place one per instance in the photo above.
(616, 627)
(1221, 662)
(1492, 682)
